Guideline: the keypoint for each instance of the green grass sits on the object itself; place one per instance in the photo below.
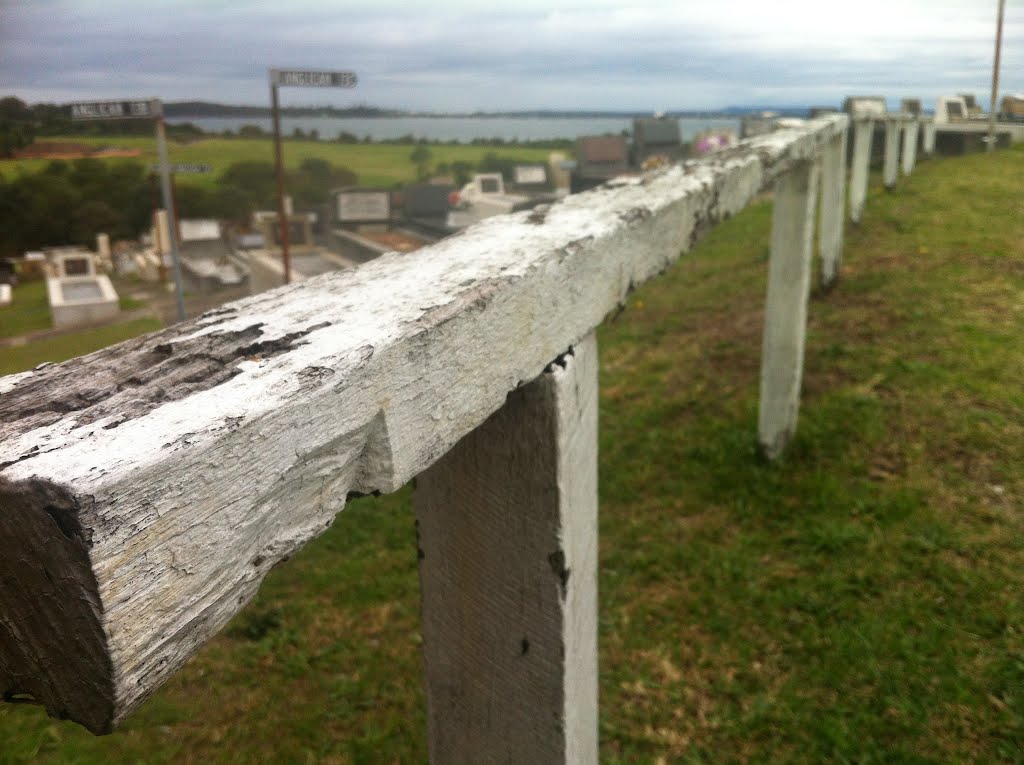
(375, 164)
(28, 311)
(859, 602)
(66, 346)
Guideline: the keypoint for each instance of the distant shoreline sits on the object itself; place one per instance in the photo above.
(197, 109)
(490, 129)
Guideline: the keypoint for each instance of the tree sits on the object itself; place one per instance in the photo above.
(231, 204)
(253, 178)
(462, 171)
(34, 212)
(16, 128)
(421, 157)
(319, 169)
(92, 217)
(312, 183)
(14, 109)
(89, 174)
(193, 201)
(14, 136)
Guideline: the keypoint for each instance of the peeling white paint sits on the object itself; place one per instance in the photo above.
(194, 500)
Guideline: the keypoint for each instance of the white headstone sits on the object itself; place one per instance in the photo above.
(197, 229)
(364, 206)
(162, 235)
(103, 247)
(530, 174)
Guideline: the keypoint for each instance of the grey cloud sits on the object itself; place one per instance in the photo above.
(450, 60)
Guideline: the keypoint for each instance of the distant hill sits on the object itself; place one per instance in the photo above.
(207, 109)
(186, 109)
(784, 111)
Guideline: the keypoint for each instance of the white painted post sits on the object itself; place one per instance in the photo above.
(863, 131)
(785, 322)
(892, 151)
(910, 131)
(929, 136)
(833, 198)
(507, 525)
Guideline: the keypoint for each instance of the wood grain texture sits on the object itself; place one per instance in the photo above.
(209, 451)
(507, 525)
(50, 608)
(860, 167)
(785, 323)
(928, 137)
(911, 129)
(891, 162)
(832, 210)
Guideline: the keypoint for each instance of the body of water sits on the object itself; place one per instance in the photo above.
(462, 129)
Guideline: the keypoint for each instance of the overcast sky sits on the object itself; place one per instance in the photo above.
(450, 55)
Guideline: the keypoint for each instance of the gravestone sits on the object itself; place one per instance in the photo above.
(598, 158)
(354, 206)
(489, 183)
(426, 200)
(530, 175)
(300, 229)
(656, 137)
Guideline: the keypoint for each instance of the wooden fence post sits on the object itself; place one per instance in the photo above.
(929, 137)
(785, 322)
(833, 199)
(910, 131)
(862, 134)
(507, 526)
(892, 151)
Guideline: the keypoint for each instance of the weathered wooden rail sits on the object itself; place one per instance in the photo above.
(146, 490)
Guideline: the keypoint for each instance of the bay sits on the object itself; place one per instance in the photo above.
(461, 129)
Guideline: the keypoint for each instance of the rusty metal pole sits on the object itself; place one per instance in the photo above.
(282, 218)
(172, 231)
(995, 78)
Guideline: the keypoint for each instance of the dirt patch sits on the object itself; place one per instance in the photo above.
(68, 150)
(394, 239)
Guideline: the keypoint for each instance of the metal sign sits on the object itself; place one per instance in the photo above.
(116, 110)
(304, 78)
(183, 167)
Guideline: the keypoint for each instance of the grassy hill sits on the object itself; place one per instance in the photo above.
(375, 163)
(859, 602)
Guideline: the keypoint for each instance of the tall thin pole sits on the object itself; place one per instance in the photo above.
(165, 185)
(995, 78)
(282, 218)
